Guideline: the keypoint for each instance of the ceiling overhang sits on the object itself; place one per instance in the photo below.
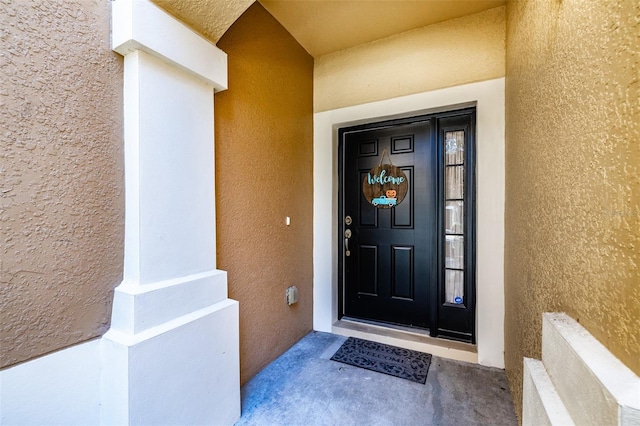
(327, 26)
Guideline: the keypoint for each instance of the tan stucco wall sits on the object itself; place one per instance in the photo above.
(454, 52)
(61, 175)
(264, 160)
(572, 174)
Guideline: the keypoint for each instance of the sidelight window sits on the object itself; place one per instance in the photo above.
(454, 216)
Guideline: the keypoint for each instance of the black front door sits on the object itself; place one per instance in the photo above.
(392, 250)
(411, 264)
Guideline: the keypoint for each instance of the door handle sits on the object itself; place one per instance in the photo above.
(347, 235)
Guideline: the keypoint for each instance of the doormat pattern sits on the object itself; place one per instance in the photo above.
(398, 362)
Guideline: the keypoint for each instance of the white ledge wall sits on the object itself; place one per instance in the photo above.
(61, 388)
(489, 99)
(579, 381)
(171, 355)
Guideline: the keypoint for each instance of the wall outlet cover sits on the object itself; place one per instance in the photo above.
(292, 295)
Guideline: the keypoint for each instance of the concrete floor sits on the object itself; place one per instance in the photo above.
(304, 387)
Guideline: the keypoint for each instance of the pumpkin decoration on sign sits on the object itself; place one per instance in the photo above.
(385, 186)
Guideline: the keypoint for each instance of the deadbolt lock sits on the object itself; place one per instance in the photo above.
(348, 220)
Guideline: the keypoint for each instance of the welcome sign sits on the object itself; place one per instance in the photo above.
(385, 186)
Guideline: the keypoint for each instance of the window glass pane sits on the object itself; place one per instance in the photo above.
(454, 217)
(454, 182)
(454, 286)
(454, 147)
(454, 252)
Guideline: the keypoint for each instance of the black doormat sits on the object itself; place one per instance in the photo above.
(398, 362)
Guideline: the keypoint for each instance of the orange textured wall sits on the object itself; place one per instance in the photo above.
(264, 160)
(61, 175)
(572, 232)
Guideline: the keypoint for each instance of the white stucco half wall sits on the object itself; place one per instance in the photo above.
(61, 388)
(488, 97)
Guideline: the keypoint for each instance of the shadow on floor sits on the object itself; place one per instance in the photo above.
(304, 387)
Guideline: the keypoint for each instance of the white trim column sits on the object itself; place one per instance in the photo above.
(172, 353)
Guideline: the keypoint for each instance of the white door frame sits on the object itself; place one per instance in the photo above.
(488, 96)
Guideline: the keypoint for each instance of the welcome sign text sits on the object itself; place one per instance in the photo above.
(382, 178)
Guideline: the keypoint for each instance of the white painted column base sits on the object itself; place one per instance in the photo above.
(172, 354)
(174, 373)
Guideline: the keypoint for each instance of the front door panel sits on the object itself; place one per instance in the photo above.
(392, 250)
(413, 263)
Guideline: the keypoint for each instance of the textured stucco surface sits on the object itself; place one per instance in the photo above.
(450, 53)
(572, 174)
(264, 161)
(61, 175)
(211, 18)
(324, 27)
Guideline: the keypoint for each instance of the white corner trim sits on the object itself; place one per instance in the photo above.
(141, 25)
(490, 168)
